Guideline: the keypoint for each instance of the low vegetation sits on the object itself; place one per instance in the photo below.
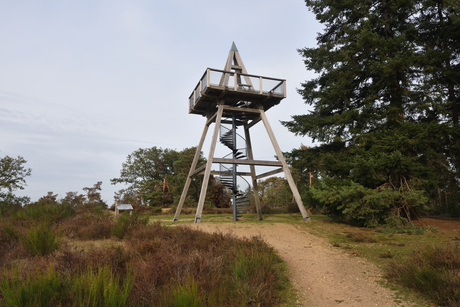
(419, 261)
(89, 258)
(432, 272)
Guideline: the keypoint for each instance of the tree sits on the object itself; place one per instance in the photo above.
(12, 177)
(220, 195)
(370, 108)
(274, 192)
(159, 174)
(94, 197)
(439, 24)
(74, 199)
(365, 61)
(92, 200)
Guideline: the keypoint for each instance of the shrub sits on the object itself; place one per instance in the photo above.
(8, 232)
(266, 209)
(88, 226)
(397, 224)
(292, 207)
(434, 272)
(41, 240)
(49, 212)
(252, 274)
(46, 289)
(125, 221)
(358, 205)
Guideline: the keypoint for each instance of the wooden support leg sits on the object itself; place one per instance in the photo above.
(207, 171)
(286, 170)
(192, 169)
(253, 173)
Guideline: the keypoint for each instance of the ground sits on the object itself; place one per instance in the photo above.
(322, 275)
(443, 224)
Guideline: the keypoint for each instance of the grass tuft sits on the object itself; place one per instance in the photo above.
(101, 288)
(46, 289)
(186, 295)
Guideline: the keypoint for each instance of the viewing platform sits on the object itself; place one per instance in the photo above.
(235, 88)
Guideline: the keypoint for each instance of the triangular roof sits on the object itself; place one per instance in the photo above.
(234, 61)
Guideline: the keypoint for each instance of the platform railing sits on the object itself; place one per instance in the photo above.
(232, 80)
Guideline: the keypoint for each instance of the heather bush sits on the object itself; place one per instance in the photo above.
(171, 266)
(88, 226)
(252, 273)
(125, 221)
(433, 272)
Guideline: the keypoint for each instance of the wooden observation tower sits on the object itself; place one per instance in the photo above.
(232, 99)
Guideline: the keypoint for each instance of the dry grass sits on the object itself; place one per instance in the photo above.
(166, 266)
(434, 272)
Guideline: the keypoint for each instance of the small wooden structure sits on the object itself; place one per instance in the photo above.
(233, 97)
(123, 207)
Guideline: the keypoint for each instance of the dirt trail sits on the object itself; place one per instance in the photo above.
(321, 274)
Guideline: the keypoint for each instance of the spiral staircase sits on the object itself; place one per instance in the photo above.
(228, 174)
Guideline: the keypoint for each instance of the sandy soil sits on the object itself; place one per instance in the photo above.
(322, 275)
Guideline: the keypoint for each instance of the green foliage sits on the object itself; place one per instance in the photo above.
(385, 104)
(186, 295)
(8, 232)
(275, 192)
(173, 265)
(45, 289)
(125, 221)
(158, 175)
(101, 288)
(219, 195)
(89, 288)
(12, 177)
(349, 201)
(46, 209)
(433, 272)
(93, 198)
(13, 173)
(395, 224)
(41, 240)
(252, 275)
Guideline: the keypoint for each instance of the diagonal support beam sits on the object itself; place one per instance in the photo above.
(207, 172)
(192, 169)
(287, 171)
(253, 173)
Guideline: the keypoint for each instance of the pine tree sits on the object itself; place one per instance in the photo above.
(383, 138)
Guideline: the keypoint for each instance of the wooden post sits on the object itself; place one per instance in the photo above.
(286, 170)
(192, 169)
(253, 173)
(207, 172)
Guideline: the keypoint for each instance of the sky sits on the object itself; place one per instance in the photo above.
(85, 83)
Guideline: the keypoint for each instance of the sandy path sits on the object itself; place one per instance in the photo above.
(321, 274)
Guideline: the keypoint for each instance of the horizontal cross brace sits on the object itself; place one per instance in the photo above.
(246, 162)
